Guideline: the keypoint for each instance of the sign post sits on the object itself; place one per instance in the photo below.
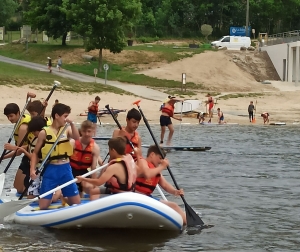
(2, 33)
(95, 73)
(183, 82)
(26, 33)
(105, 67)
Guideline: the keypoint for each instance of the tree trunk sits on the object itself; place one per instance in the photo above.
(64, 37)
(100, 60)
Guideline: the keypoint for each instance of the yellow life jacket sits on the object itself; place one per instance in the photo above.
(32, 139)
(63, 149)
(48, 121)
(25, 119)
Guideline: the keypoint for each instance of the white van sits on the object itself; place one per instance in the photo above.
(232, 42)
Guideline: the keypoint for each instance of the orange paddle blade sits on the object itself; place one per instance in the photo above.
(254, 120)
(137, 102)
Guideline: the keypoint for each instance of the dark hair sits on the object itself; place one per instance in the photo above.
(35, 106)
(118, 144)
(11, 108)
(60, 109)
(56, 100)
(155, 150)
(36, 123)
(97, 98)
(134, 113)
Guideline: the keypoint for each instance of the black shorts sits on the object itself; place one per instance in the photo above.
(76, 173)
(25, 165)
(165, 120)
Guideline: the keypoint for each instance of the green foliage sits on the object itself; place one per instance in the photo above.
(102, 24)
(7, 10)
(46, 15)
(206, 30)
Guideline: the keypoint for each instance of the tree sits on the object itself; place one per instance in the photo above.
(102, 23)
(46, 15)
(7, 10)
(206, 30)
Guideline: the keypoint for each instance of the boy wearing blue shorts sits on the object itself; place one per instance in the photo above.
(58, 171)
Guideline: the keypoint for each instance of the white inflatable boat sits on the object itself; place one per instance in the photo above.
(123, 210)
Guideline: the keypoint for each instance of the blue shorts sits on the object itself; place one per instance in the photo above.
(222, 118)
(92, 117)
(56, 175)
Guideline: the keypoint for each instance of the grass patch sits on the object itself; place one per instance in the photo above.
(123, 72)
(238, 95)
(11, 75)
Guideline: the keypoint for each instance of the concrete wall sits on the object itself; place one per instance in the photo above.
(277, 54)
(286, 60)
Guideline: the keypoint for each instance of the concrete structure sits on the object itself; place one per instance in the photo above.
(284, 53)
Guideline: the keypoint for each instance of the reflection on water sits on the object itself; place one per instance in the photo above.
(247, 185)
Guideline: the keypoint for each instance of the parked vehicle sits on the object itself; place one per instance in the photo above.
(232, 42)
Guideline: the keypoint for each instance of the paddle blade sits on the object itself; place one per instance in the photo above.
(254, 120)
(11, 207)
(2, 181)
(137, 102)
(192, 219)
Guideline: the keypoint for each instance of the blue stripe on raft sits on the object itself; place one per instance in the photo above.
(99, 211)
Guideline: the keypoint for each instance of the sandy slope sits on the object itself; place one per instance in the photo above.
(215, 70)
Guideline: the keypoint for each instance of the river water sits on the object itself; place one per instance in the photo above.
(247, 185)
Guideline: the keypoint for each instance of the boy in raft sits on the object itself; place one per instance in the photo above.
(147, 186)
(120, 175)
(58, 169)
(34, 108)
(36, 125)
(167, 111)
(86, 154)
(133, 119)
(12, 111)
(265, 117)
(220, 116)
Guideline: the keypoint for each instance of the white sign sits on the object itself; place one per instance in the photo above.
(183, 78)
(1, 33)
(95, 71)
(68, 38)
(105, 67)
(25, 31)
(45, 37)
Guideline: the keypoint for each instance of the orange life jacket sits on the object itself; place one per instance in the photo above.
(94, 109)
(82, 158)
(147, 186)
(114, 185)
(135, 141)
(168, 108)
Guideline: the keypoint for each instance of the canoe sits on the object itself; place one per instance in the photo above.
(278, 123)
(182, 148)
(218, 124)
(187, 106)
(124, 210)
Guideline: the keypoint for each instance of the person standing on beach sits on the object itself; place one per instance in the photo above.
(93, 110)
(210, 103)
(167, 111)
(49, 64)
(59, 63)
(265, 117)
(251, 108)
(220, 116)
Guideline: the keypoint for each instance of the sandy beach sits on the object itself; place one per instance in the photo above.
(282, 105)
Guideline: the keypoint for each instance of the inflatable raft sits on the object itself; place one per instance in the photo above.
(124, 210)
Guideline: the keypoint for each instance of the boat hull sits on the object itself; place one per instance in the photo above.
(123, 210)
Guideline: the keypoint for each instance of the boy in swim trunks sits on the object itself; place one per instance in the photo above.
(220, 116)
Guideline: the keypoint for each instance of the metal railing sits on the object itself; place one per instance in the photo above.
(281, 38)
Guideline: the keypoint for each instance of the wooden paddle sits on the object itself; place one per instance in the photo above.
(254, 119)
(193, 219)
(2, 176)
(10, 207)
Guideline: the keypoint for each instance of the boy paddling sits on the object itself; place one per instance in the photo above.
(58, 170)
